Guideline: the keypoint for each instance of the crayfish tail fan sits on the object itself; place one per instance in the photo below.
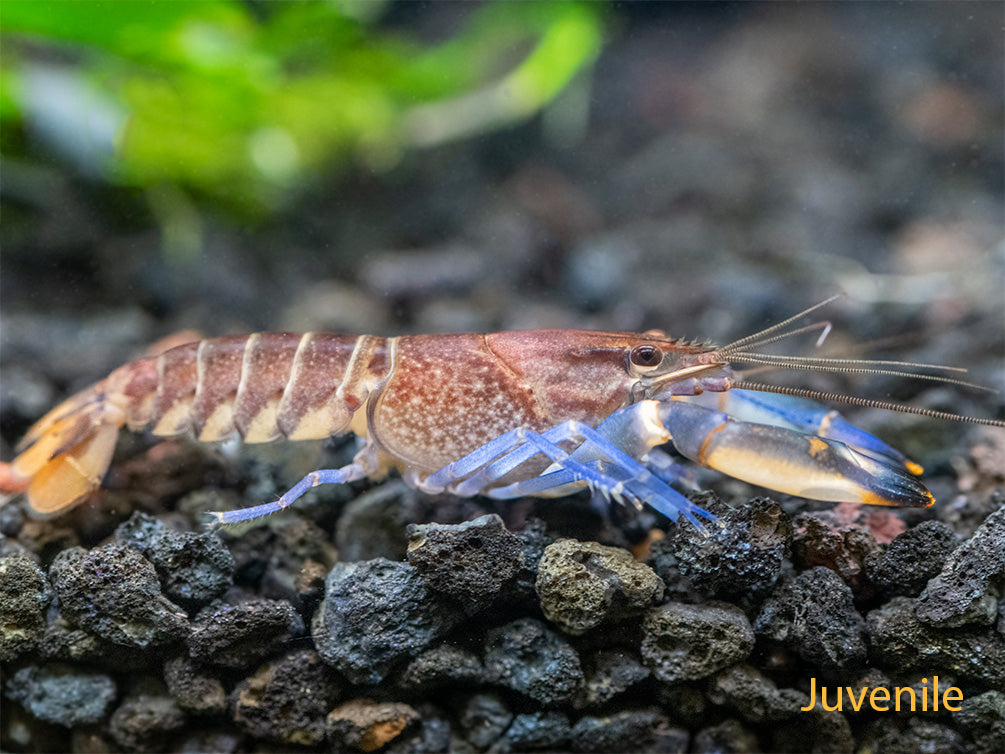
(65, 454)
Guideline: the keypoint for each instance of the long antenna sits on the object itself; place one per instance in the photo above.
(736, 344)
(844, 366)
(738, 352)
(821, 395)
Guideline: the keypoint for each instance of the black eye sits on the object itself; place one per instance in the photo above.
(646, 356)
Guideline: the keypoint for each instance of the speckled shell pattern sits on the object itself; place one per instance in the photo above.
(423, 400)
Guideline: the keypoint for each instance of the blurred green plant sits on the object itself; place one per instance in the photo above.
(247, 103)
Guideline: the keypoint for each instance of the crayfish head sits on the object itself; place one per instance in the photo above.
(662, 374)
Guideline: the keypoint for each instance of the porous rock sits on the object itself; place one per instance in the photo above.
(814, 615)
(983, 717)
(691, 706)
(286, 699)
(62, 694)
(200, 740)
(24, 597)
(375, 614)
(534, 538)
(483, 718)
(742, 557)
(195, 688)
(374, 524)
(824, 539)
(299, 561)
(65, 643)
(914, 557)
(145, 720)
(686, 642)
(917, 734)
(816, 730)
(446, 664)
(584, 584)
(627, 731)
(238, 636)
(193, 567)
(526, 656)
(607, 674)
(729, 735)
(753, 695)
(969, 586)
(113, 591)
(431, 736)
(469, 562)
(903, 643)
(538, 730)
(366, 725)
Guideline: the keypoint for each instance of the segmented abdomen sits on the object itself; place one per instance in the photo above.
(263, 386)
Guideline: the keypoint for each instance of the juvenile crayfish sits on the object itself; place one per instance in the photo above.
(536, 412)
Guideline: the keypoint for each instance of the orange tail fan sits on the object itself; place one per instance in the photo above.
(66, 453)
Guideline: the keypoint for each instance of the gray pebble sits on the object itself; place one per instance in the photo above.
(583, 584)
(470, 562)
(375, 614)
(686, 642)
(24, 598)
(903, 643)
(814, 615)
(145, 721)
(483, 719)
(62, 694)
(238, 636)
(287, 699)
(911, 559)
(529, 658)
(967, 589)
(113, 592)
(366, 725)
(193, 567)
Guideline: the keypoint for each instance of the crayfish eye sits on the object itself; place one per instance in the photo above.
(646, 357)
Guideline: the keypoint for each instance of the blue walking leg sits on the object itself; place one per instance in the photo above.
(663, 499)
(597, 461)
(472, 462)
(349, 473)
(547, 443)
